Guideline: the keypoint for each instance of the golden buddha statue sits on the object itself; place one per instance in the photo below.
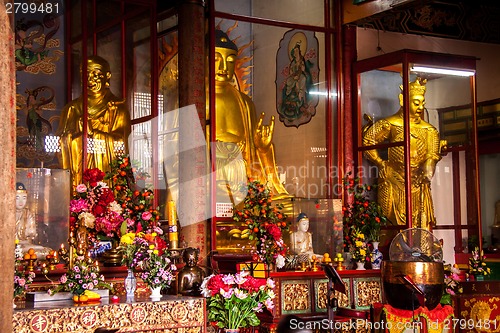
(108, 124)
(244, 147)
(425, 149)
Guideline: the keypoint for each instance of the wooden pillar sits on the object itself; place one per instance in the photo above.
(7, 166)
(193, 165)
(349, 57)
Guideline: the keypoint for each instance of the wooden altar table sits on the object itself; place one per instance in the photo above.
(173, 314)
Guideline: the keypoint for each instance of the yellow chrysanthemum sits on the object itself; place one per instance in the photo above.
(155, 252)
(362, 252)
(359, 243)
(151, 247)
(128, 238)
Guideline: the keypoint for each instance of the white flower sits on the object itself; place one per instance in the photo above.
(280, 261)
(102, 184)
(270, 283)
(115, 207)
(240, 293)
(88, 219)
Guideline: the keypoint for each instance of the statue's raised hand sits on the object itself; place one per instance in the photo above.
(263, 136)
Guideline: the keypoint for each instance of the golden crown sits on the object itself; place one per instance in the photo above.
(417, 87)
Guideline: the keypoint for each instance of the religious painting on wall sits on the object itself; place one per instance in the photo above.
(297, 74)
(40, 81)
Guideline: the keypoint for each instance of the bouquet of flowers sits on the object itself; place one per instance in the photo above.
(359, 249)
(233, 301)
(363, 213)
(22, 278)
(94, 206)
(452, 284)
(83, 276)
(265, 222)
(477, 266)
(158, 270)
(148, 251)
(136, 202)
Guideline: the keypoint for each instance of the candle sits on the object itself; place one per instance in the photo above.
(173, 235)
(172, 219)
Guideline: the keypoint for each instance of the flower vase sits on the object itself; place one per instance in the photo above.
(130, 283)
(231, 330)
(112, 258)
(360, 265)
(155, 293)
(377, 256)
(270, 268)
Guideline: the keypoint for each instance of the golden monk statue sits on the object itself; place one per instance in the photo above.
(108, 124)
(425, 148)
(244, 147)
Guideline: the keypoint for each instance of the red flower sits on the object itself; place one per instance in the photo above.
(106, 196)
(98, 210)
(93, 176)
(215, 284)
(161, 245)
(274, 231)
(252, 284)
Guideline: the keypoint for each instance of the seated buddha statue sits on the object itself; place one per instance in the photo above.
(191, 276)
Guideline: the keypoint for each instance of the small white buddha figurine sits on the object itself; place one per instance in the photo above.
(301, 240)
(26, 231)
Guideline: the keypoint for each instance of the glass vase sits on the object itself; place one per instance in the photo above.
(130, 283)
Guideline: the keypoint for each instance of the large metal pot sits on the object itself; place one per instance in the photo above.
(427, 276)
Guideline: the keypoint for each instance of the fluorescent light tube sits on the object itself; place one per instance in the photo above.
(447, 71)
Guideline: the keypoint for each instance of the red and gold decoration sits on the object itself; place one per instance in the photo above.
(173, 315)
(435, 321)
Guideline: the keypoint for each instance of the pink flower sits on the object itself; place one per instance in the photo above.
(77, 206)
(81, 188)
(146, 216)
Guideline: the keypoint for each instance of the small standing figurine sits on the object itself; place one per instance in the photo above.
(190, 276)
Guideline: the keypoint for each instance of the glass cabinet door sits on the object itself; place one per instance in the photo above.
(421, 154)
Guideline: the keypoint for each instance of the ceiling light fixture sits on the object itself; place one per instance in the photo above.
(447, 71)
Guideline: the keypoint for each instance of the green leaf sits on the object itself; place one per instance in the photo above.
(123, 228)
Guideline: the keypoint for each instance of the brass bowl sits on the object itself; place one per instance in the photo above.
(428, 276)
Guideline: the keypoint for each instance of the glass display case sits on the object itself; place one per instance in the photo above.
(42, 199)
(325, 227)
(423, 159)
